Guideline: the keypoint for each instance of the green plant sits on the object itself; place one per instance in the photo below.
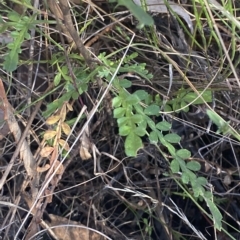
(134, 112)
(134, 122)
(223, 126)
(73, 87)
(20, 26)
(148, 228)
(139, 114)
(184, 97)
(143, 17)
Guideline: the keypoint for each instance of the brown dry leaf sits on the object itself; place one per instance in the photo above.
(49, 134)
(53, 119)
(84, 153)
(53, 155)
(44, 168)
(60, 169)
(64, 144)
(63, 112)
(69, 106)
(66, 129)
(46, 151)
(85, 147)
(64, 229)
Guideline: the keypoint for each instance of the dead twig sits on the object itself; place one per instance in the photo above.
(55, 9)
(78, 41)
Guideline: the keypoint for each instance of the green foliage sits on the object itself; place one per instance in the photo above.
(52, 107)
(73, 88)
(109, 67)
(137, 12)
(148, 227)
(217, 216)
(134, 113)
(20, 26)
(134, 122)
(223, 126)
(184, 97)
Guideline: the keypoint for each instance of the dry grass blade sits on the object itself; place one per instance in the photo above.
(24, 150)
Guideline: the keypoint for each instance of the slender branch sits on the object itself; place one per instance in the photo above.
(69, 25)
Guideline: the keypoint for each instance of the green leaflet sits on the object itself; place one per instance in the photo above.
(143, 18)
